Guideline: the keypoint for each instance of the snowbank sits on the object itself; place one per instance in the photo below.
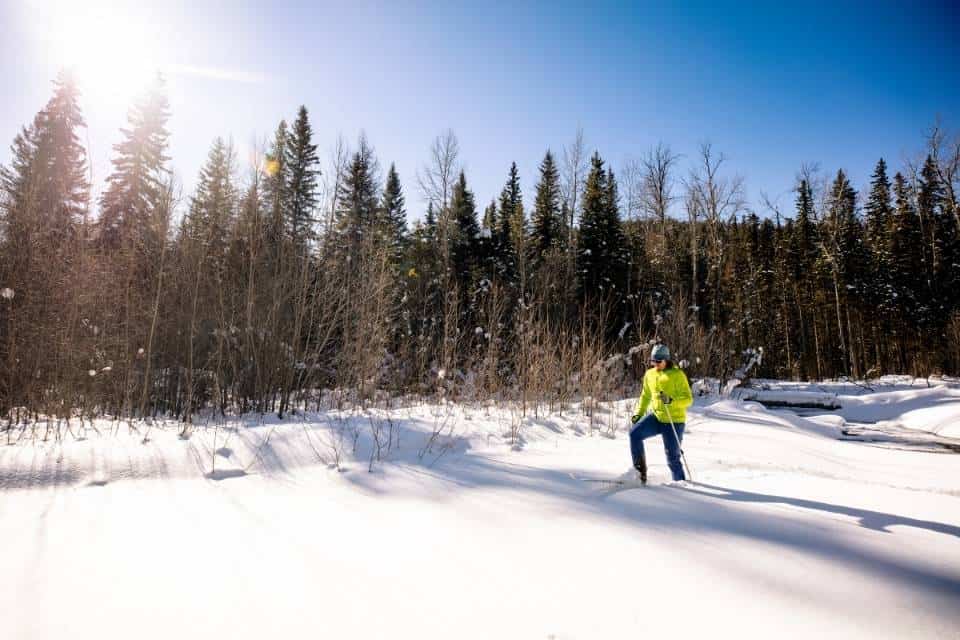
(471, 524)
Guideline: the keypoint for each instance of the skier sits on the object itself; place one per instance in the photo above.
(667, 393)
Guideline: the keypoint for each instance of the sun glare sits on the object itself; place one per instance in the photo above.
(110, 48)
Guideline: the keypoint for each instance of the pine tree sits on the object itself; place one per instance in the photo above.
(135, 189)
(843, 255)
(600, 250)
(393, 222)
(787, 320)
(209, 222)
(546, 231)
(879, 211)
(505, 251)
(803, 257)
(358, 200)
(302, 164)
(430, 220)
(43, 205)
(805, 234)
(464, 237)
(277, 189)
(935, 214)
(490, 218)
(906, 247)
(879, 219)
(48, 170)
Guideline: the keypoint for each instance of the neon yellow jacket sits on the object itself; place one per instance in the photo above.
(673, 382)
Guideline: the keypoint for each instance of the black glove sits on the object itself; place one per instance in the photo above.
(665, 399)
(635, 418)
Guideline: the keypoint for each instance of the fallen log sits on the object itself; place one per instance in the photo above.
(790, 399)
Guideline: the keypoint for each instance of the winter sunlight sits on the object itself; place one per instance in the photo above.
(479, 320)
(108, 45)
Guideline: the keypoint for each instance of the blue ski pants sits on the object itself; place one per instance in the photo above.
(650, 426)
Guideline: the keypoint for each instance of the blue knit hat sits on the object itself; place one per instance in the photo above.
(660, 352)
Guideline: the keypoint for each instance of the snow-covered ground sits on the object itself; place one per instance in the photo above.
(472, 525)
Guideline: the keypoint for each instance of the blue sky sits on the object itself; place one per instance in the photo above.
(771, 86)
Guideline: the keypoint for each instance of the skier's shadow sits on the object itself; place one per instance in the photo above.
(875, 520)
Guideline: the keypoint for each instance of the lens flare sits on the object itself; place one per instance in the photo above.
(109, 47)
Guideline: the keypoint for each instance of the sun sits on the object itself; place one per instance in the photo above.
(110, 48)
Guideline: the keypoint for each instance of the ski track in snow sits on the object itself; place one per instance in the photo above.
(246, 530)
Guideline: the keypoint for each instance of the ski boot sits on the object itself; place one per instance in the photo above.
(641, 467)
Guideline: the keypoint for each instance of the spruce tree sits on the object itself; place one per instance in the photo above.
(302, 164)
(929, 204)
(490, 218)
(393, 216)
(879, 219)
(505, 250)
(546, 230)
(600, 250)
(357, 199)
(879, 211)
(843, 255)
(209, 221)
(944, 270)
(906, 248)
(805, 234)
(464, 236)
(46, 185)
(276, 189)
(43, 204)
(803, 257)
(135, 188)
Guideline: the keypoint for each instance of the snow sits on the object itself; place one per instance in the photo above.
(471, 525)
(790, 398)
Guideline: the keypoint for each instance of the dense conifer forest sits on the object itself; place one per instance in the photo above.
(269, 283)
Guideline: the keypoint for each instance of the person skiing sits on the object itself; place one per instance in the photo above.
(666, 392)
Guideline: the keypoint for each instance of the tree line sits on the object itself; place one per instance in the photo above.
(270, 283)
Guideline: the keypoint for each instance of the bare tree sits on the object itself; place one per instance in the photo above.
(438, 175)
(575, 165)
(656, 195)
(631, 182)
(339, 158)
(719, 199)
(945, 151)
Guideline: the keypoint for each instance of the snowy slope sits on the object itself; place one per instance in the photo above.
(787, 532)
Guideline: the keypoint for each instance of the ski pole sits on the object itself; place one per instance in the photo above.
(683, 456)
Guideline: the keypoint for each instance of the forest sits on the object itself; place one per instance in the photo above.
(282, 277)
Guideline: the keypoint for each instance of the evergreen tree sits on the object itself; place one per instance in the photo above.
(490, 218)
(935, 214)
(393, 220)
(805, 234)
(43, 204)
(302, 164)
(803, 256)
(929, 196)
(135, 189)
(879, 220)
(464, 237)
(546, 212)
(209, 222)
(46, 188)
(277, 188)
(879, 211)
(357, 199)
(844, 255)
(505, 254)
(906, 248)
(430, 220)
(600, 249)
